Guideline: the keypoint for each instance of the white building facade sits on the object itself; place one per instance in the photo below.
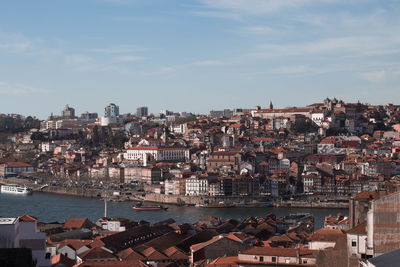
(157, 153)
(22, 232)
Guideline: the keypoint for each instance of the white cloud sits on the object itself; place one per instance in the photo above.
(354, 45)
(16, 43)
(121, 49)
(127, 58)
(217, 14)
(374, 76)
(301, 69)
(263, 30)
(251, 7)
(19, 89)
(207, 63)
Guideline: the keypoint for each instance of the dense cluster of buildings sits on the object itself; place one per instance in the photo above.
(330, 148)
(324, 150)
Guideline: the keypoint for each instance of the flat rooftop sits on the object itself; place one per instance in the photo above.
(8, 220)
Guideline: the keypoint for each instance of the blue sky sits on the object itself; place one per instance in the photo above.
(195, 55)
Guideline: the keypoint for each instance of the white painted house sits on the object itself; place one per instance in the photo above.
(21, 232)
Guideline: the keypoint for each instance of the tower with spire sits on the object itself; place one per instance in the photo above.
(271, 106)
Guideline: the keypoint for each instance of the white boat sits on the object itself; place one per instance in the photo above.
(16, 189)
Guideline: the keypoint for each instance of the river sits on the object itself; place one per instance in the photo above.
(50, 207)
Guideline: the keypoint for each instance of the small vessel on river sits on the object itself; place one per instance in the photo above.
(15, 189)
(148, 208)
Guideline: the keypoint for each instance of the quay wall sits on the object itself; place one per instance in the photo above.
(184, 200)
(239, 201)
(74, 191)
(193, 200)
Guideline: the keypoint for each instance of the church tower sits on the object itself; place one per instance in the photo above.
(271, 106)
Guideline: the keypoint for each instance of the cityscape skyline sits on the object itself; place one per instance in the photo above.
(195, 56)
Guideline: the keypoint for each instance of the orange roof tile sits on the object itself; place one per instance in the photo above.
(27, 218)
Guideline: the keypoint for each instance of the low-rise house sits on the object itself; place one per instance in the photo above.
(269, 256)
(14, 168)
(72, 247)
(221, 245)
(96, 254)
(324, 238)
(357, 241)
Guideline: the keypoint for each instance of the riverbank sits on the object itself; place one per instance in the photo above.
(310, 204)
(235, 201)
(242, 201)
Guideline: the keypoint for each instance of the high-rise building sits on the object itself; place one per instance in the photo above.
(111, 110)
(142, 111)
(68, 112)
(89, 116)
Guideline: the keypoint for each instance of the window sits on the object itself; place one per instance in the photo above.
(273, 259)
(261, 258)
(353, 243)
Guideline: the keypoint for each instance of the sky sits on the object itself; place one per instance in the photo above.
(195, 55)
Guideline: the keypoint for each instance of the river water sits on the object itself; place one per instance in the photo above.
(50, 207)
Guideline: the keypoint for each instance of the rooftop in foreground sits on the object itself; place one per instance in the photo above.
(4, 221)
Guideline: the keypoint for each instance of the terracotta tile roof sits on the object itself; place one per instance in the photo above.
(97, 243)
(165, 241)
(209, 219)
(199, 246)
(154, 255)
(224, 262)
(27, 218)
(130, 254)
(174, 253)
(62, 259)
(96, 253)
(326, 235)
(18, 164)
(360, 229)
(75, 223)
(280, 238)
(112, 264)
(366, 195)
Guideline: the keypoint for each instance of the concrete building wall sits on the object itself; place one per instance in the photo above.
(317, 245)
(356, 244)
(386, 223)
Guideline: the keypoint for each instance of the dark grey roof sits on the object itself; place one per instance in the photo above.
(166, 222)
(389, 259)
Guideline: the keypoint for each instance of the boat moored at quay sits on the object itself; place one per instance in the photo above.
(148, 208)
(15, 189)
